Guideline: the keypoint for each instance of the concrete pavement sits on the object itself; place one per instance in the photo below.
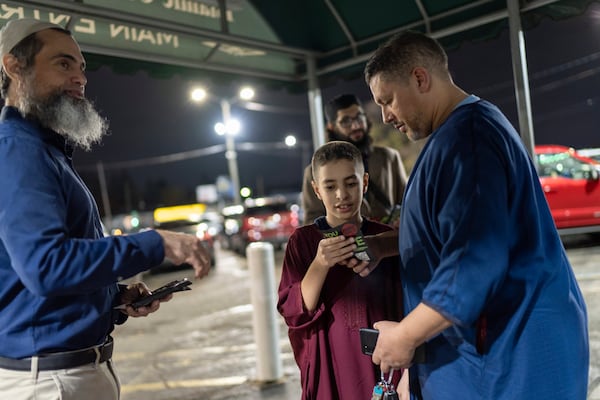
(200, 345)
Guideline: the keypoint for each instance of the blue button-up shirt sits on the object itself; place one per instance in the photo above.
(58, 273)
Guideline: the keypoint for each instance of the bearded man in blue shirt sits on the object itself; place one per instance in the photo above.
(59, 274)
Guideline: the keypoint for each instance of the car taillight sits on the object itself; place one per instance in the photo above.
(252, 221)
(254, 235)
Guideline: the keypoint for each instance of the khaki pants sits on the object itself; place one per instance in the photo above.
(91, 381)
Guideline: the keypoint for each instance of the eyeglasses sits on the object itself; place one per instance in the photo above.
(347, 122)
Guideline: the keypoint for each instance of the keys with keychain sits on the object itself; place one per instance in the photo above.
(384, 389)
(378, 392)
(391, 394)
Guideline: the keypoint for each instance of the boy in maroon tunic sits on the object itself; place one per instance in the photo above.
(323, 302)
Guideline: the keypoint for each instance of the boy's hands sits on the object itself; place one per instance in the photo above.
(363, 268)
(334, 250)
(331, 251)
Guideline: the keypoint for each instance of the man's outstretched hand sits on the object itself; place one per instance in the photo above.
(382, 245)
(184, 248)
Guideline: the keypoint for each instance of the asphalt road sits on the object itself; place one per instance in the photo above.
(201, 344)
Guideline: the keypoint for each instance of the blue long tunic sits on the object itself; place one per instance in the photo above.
(478, 244)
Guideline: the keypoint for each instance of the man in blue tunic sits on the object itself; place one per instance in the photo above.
(59, 274)
(488, 287)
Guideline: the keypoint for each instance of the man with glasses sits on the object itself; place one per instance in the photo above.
(346, 120)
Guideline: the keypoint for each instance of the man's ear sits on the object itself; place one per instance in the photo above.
(422, 78)
(316, 189)
(11, 66)
(365, 182)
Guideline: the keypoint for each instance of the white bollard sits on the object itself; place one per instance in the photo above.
(261, 264)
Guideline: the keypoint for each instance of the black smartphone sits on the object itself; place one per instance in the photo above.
(368, 340)
(171, 287)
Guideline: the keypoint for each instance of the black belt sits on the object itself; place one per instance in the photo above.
(65, 360)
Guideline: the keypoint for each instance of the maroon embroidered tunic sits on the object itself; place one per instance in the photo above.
(326, 342)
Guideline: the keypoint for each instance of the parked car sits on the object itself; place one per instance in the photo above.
(194, 219)
(265, 219)
(571, 184)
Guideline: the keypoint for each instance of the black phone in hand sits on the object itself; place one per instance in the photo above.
(171, 287)
(368, 340)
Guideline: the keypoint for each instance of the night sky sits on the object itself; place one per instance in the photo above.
(153, 117)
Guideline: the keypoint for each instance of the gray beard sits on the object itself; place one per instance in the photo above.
(75, 119)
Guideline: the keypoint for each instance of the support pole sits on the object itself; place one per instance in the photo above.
(261, 264)
(104, 193)
(315, 104)
(231, 153)
(521, 77)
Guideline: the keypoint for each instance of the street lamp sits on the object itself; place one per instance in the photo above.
(229, 127)
(291, 141)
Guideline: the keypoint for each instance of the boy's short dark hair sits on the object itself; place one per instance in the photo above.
(339, 103)
(334, 151)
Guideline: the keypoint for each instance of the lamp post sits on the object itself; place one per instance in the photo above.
(229, 127)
